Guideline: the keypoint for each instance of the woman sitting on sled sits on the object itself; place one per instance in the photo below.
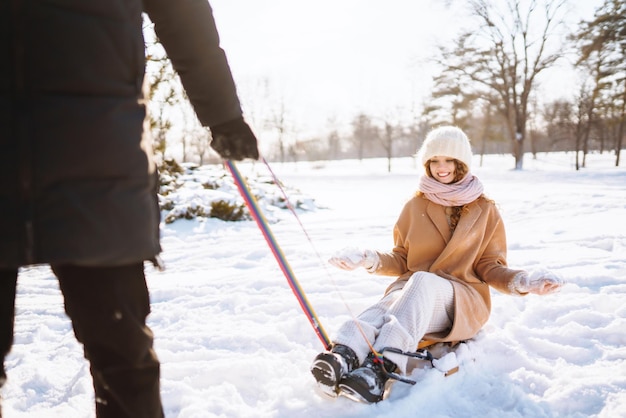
(449, 249)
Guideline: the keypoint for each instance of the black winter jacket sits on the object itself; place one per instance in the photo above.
(77, 180)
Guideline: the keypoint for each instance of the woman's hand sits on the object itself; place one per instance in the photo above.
(540, 282)
(351, 258)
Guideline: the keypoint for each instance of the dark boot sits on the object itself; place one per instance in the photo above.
(330, 366)
(367, 383)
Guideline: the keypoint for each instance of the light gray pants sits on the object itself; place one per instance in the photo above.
(400, 319)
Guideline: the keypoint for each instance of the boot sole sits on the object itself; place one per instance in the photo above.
(326, 377)
(351, 394)
(357, 393)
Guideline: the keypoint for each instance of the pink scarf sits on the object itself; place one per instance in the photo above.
(456, 194)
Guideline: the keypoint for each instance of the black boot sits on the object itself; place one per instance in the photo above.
(330, 366)
(367, 383)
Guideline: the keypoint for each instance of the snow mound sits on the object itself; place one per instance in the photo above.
(208, 191)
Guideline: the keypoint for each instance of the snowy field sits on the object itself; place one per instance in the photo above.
(234, 343)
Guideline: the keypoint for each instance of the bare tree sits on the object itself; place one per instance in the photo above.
(200, 140)
(333, 139)
(334, 144)
(387, 140)
(486, 128)
(559, 115)
(364, 133)
(602, 49)
(278, 120)
(502, 57)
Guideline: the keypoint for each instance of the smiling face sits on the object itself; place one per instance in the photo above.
(442, 169)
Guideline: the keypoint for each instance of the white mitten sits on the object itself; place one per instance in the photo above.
(351, 258)
(539, 282)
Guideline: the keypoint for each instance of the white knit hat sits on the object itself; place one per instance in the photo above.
(447, 141)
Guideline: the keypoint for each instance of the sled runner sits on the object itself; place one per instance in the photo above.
(448, 368)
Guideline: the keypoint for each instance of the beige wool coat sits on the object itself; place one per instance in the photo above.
(473, 258)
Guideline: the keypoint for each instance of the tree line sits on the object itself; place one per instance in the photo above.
(487, 83)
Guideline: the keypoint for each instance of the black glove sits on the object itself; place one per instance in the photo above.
(234, 140)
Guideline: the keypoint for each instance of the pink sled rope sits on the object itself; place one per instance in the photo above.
(263, 225)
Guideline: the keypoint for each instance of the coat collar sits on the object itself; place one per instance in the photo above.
(437, 215)
(463, 229)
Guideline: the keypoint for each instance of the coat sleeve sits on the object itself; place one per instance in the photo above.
(492, 267)
(187, 31)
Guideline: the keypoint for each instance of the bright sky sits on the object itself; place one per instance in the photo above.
(329, 59)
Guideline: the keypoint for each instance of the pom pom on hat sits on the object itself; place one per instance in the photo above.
(447, 141)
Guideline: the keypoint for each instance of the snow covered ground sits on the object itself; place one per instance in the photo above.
(234, 343)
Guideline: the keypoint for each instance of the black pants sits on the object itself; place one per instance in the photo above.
(108, 307)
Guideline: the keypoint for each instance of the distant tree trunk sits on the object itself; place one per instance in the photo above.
(388, 144)
(620, 131)
(278, 121)
(618, 145)
(486, 125)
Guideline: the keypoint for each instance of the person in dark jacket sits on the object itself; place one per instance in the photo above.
(79, 185)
